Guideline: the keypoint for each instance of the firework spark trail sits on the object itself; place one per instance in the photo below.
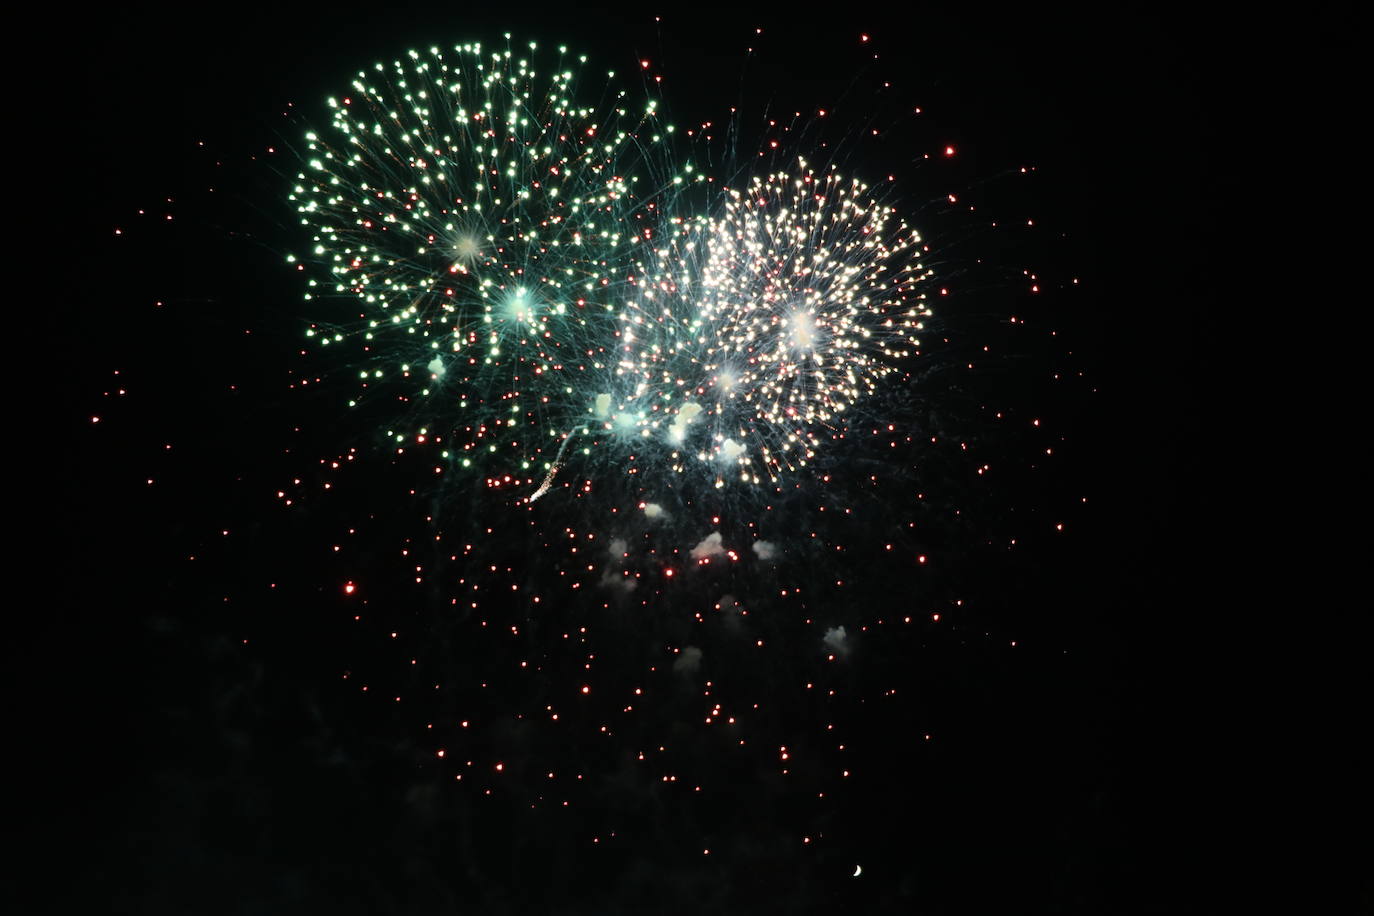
(553, 469)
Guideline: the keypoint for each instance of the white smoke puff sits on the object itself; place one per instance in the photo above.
(687, 661)
(602, 405)
(612, 576)
(436, 367)
(731, 610)
(766, 550)
(654, 510)
(617, 581)
(730, 450)
(678, 430)
(837, 640)
(710, 546)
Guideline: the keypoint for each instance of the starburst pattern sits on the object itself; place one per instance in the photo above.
(765, 324)
(484, 220)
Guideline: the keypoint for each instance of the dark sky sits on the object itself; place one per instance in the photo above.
(198, 747)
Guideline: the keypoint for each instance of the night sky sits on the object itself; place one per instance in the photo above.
(965, 673)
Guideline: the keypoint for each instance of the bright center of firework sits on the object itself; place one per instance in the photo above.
(624, 423)
(520, 306)
(466, 248)
(803, 328)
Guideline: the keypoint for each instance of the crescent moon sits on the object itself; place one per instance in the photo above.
(858, 870)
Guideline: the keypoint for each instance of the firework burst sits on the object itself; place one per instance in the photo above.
(522, 272)
(472, 225)
(756, 330)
